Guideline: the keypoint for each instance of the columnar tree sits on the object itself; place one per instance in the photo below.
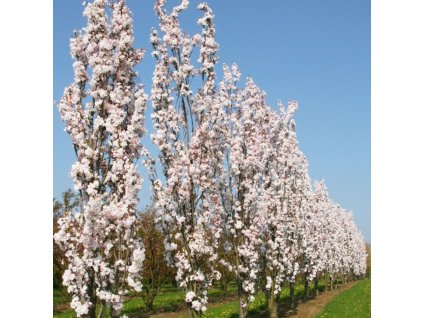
(299, 205)
(322, 208)
(286, 213)
(346, 223)
(248, 122)
(185, 117)
(317, 232)
(312, 259)
(332, 238)
(103, 111)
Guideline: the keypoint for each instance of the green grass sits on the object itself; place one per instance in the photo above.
(170, 299)
(352, 303)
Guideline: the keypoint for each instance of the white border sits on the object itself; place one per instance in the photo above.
(397, 216)
(26, 158)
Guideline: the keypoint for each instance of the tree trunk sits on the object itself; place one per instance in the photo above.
(224, 286)
(306, 289)
(331, 282)
(316, 285)
(190, 313)
(273, 308)
(292, 295)
(242, 310)
(149, 304)
(278, 297)
(272, 305)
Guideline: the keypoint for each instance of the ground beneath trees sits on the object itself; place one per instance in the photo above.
(308, 309)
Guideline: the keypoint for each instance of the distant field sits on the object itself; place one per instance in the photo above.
(352, 303)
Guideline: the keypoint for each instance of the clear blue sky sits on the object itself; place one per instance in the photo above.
(316, 52)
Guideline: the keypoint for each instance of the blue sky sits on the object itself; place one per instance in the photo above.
(316, 52)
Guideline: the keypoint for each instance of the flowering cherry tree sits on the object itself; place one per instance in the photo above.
(317, 227)
(288, 204)
(103, 111)
(311, 242)
(330, 230)
(247, 126)
(185, 117)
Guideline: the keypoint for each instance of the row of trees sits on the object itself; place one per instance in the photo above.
(230, 187)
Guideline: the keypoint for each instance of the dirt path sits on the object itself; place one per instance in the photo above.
(315, 305)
